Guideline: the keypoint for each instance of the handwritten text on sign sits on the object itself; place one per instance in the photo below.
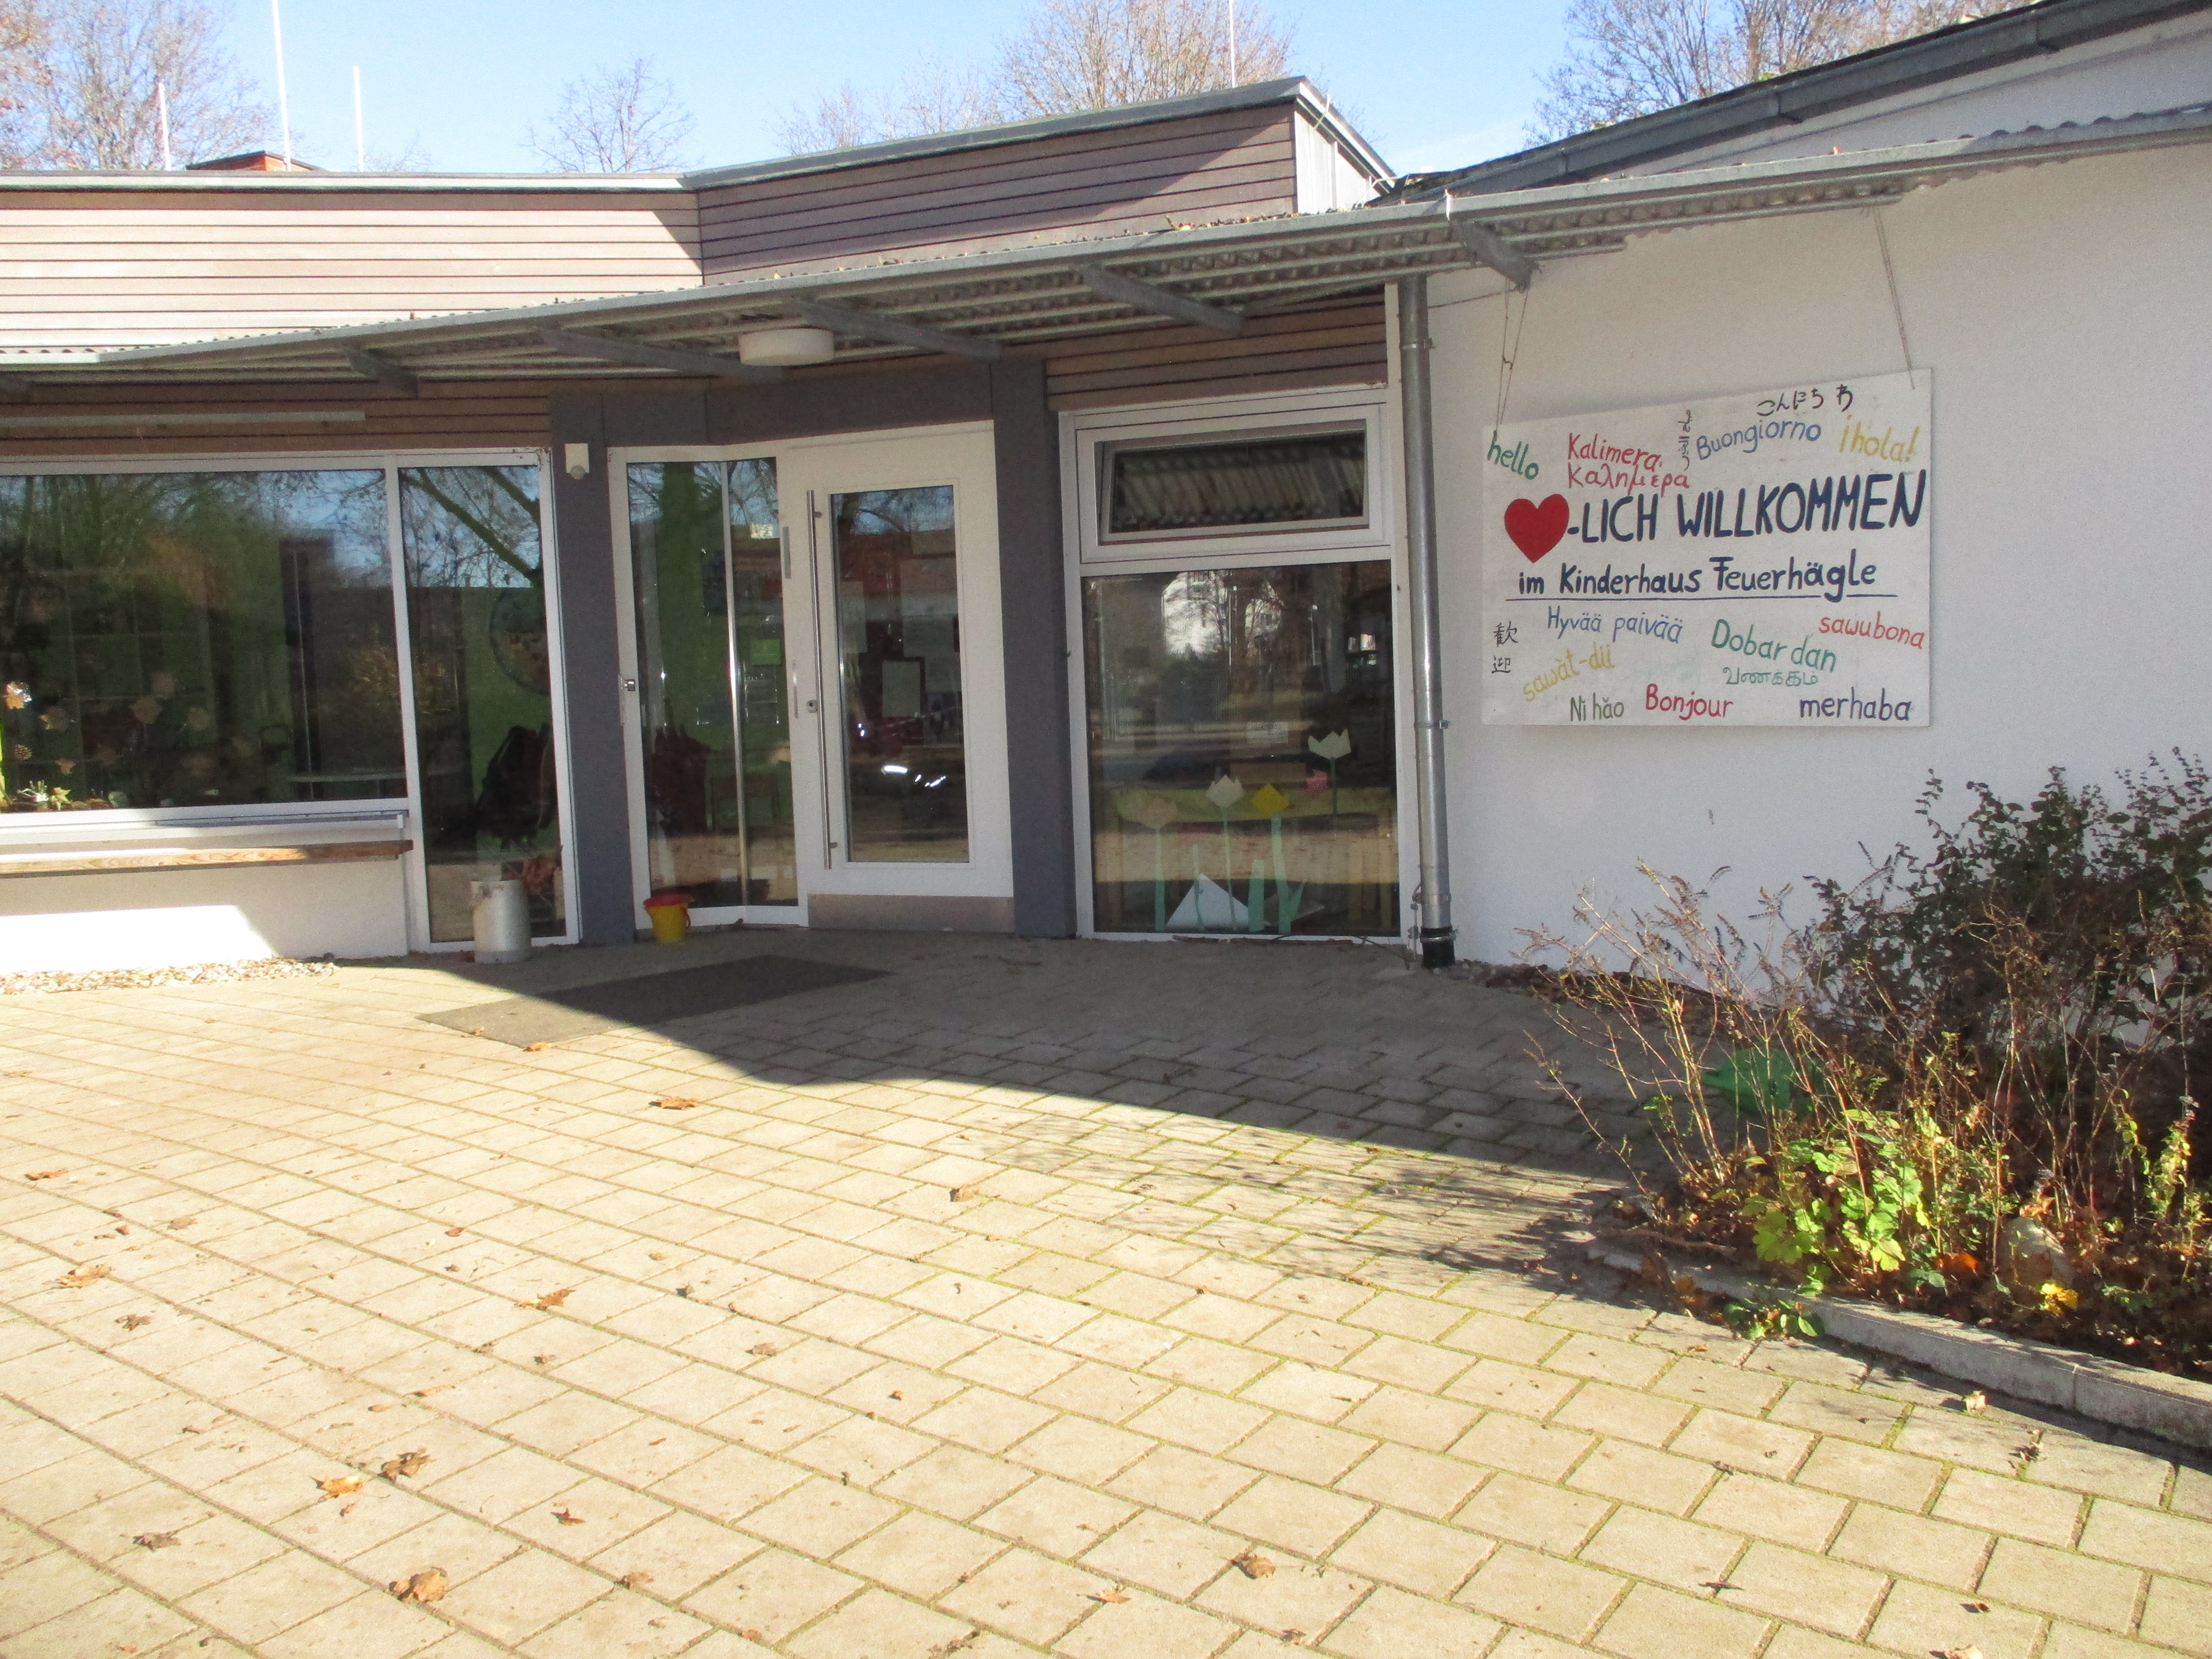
(1759, 560)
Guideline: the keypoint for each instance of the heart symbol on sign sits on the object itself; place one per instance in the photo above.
(1536, 526)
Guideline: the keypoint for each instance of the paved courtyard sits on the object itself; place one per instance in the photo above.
(1113, 1302)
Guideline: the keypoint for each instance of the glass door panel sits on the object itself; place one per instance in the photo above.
(484, 690)
(765, 800)
(1243, 767)
(897, 621)
(707, 565)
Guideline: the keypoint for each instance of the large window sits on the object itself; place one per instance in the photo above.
(484, 690)
(197, 639)
(1243, 761)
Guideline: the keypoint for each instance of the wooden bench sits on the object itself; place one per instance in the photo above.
(55, 862)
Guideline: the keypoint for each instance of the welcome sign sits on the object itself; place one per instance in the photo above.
(1759, 560)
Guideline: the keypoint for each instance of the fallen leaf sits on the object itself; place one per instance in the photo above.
(552, 1299)
(567, 1519)
(535, 1048)
(676, 1103)
(1975, 1606)
(385, 1407)
(958, 1644)
(1720, 1584)
(961, 1195)
(752, 1635)
(1294, 1637)
(347, 1511)
(475, 1030)
(156, 1540)
(1960, 1653)
(134, 1321)
(340, 1486)
(1113, 1596)
(407, 1463)
(898, 1394)
(427, 1585)
(44, 1174)
(637, 1579)
(182, 1221)
(657, 1255)
(543, 1358)
(438, 1387)
(1252, 1563)
(1976, 1401)
(77, 1277)
(452, 1232)
(764, 1349)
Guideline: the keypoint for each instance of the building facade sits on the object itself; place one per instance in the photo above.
(1032, 530)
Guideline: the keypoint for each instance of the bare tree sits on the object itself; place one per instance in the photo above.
(78, 87)
(1065, 56)
(933, 98)
(1072, 55)
(1630, 57)
(626, 119)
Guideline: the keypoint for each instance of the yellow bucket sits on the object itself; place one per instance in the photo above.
(672, 917)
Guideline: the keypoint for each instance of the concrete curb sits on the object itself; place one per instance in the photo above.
(2104, 1391)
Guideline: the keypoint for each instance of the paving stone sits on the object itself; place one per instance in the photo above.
(884, 1420)
(1522, 1587)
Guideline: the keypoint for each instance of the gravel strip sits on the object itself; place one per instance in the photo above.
(198, 973)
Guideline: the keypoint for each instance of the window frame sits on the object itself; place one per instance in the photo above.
(1083, 431)
(184, 825)
(1095, 436)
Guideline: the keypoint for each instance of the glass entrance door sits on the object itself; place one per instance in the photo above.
(707, 569)
(818, 703)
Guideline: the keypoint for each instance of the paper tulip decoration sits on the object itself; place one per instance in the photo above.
(1155, 812)
(1225, 791)
(1332, 749)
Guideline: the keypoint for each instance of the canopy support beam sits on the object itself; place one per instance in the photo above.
(1160, 302)
(636, 354)
(869, 325)
(385, 371)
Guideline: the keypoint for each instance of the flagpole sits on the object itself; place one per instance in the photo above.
(283, 102)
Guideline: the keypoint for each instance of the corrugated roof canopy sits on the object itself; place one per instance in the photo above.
(980, 305)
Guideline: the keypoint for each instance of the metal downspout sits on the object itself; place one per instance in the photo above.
(1434, 896)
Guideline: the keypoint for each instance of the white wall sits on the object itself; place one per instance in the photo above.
(174, 918)
(2066, 313)
(2166, 66)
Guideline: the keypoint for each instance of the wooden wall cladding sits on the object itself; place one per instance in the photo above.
(1333, 343)
(502, 415)
(109, 268)
(1205, 169)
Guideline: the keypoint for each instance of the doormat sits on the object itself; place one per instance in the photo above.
(650, 1000)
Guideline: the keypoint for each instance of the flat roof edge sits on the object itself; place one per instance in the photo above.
(1256, 95)
(659, 183)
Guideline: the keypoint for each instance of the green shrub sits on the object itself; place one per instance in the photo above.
(2007, 1020)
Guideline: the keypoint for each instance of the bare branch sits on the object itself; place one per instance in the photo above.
(1065, 56)
(1630, 57)
(627, 119)
(77, 80)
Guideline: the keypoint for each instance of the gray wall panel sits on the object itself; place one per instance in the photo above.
(1032, 588)
(584, 547)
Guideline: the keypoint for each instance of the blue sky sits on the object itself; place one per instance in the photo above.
(1430, 84)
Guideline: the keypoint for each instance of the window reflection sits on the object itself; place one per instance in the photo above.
(707, 559)
(898, 629)
(1243, 768)
(196, 639)
(484, 689)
